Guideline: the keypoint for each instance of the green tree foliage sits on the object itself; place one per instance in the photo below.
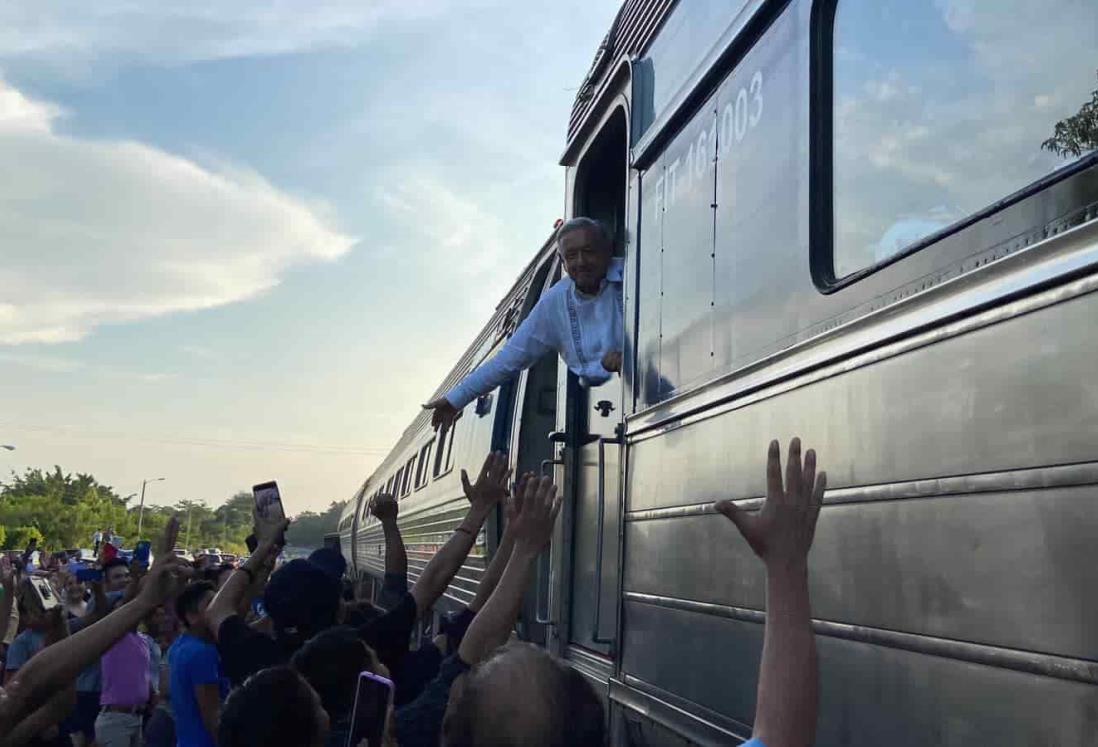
(1077, 134)
(64, 511)
(309, 528)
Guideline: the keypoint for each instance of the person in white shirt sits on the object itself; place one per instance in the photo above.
(580, 318)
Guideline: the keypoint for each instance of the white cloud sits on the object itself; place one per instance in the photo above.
(93, 232)
(924, 140)
(171, 32)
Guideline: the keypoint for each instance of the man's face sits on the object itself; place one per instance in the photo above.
(116, 578)
(585, 260)
(74, 590)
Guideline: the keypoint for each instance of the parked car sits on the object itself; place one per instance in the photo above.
(181, 553)
(227, 558)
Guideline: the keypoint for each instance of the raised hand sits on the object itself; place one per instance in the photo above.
(269, 528)
(533, 526)
(491, 485)
(781, 532)
(513, 505)
(169, 537)
(442, 412)
(165, 579)
(384, 507)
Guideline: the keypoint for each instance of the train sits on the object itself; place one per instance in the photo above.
(869, 223)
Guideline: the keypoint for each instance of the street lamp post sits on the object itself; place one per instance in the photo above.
(141, 509)
(9, 447)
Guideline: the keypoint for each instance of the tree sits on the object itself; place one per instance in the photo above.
(1077, 134)
(308, 528)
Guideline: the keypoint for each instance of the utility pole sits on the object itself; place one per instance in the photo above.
(141, 510)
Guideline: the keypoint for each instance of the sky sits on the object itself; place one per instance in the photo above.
(244, 241)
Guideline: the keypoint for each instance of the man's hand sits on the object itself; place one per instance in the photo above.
(781, 532)
(165, 579)
(169, 537)
(533, 526)
(612, 361)
(269, 529)
(512, 507)
(442, 412)
(491, 484)
(384, 507)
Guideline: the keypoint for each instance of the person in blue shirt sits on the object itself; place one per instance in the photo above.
(580, 318)
(197, 685)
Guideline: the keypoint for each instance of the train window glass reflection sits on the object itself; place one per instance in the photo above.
(939, 109)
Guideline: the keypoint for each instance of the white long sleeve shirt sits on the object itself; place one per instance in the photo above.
(581, 328)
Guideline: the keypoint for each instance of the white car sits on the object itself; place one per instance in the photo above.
(181, 553)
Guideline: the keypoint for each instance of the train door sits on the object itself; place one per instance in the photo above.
(591, 439)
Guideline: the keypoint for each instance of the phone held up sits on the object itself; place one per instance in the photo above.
(89, 574)
(268, 503)
(141, 553)
(372, 700)
(43, 593)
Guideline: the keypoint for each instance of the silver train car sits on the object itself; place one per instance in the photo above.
(866, 223)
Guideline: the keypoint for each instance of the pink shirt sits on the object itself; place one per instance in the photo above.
(126, 672)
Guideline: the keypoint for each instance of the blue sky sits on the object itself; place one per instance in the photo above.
(243, 242)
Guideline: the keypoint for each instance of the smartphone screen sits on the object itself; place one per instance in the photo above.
(47, 600)
(371, 707)
(267, 500)
(141, 553)
(89, 574)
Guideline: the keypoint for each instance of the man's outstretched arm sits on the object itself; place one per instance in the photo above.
(385, 508)
(533, 339)
(489, 489)
(781, 535)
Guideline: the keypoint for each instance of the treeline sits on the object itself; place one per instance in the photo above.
(63, 511)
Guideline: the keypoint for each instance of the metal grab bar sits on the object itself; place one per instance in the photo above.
(600, 527)
(539, 618)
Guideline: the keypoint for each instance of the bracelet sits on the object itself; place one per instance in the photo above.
(251, 574)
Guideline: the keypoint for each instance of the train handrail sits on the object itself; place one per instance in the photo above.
(600, 525)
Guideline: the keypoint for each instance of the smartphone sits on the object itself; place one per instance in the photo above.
(107, 552)
(372, 699)
(85, 575)
(43, 593)
(268, 503)
(141, 553)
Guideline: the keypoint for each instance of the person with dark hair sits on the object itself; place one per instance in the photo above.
(116, 575)
(580, 317)
(32, 638)
(331, 663)
(273, 708)
(197, 684)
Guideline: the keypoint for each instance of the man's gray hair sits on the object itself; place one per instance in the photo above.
(596, 227)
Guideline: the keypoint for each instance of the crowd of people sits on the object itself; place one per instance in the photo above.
(172, 655)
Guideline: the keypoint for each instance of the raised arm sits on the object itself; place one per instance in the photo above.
(781, 535)
(250, 576)
(495, 569)
(57, 665)
(532, 530)
(385, 508)
(533, 339)
(489, 489)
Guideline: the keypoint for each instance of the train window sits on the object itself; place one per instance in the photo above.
(408, 471)
(940, 110)
(423, 473)
(444, 453)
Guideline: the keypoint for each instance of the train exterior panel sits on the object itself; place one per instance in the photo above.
(793, 269)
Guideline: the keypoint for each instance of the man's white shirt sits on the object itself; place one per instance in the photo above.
(581, 328)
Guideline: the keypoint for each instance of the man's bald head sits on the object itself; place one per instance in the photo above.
(523, 697)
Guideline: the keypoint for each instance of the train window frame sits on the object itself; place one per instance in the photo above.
(409, 472)
(821, 177)
(423, 472)
(443, 462)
